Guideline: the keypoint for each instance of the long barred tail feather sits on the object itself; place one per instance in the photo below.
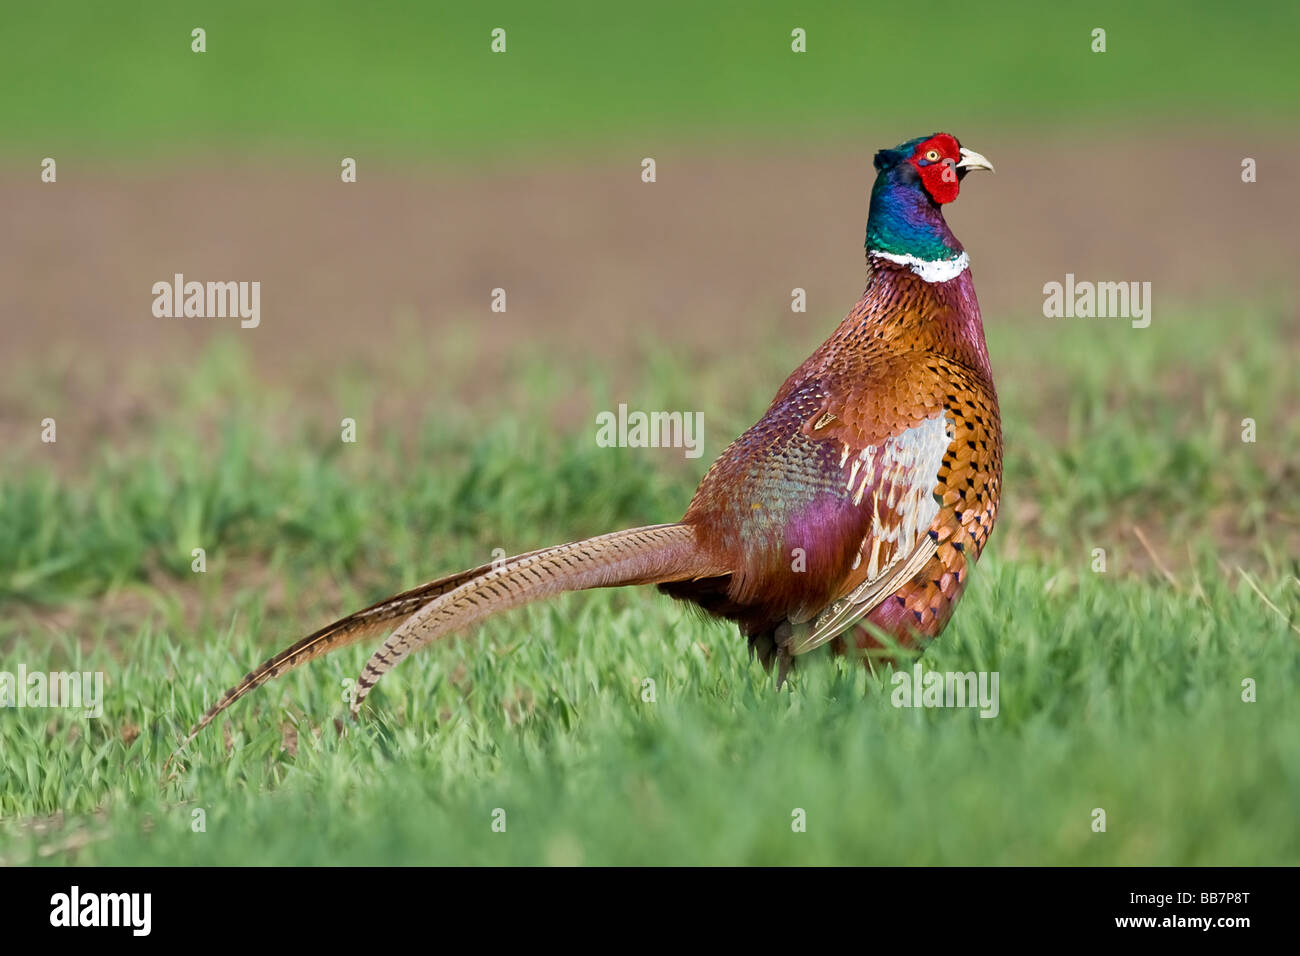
(342, 633)
(650, 555)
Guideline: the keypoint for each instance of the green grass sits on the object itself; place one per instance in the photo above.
(1119, 691)
(79, 77)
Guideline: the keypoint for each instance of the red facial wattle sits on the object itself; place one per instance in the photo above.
(936, 161)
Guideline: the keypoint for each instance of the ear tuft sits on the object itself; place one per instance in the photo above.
(887, 158)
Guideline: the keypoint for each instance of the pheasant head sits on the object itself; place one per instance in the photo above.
(913, 183)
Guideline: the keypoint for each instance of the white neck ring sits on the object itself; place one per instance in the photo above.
(930, 270)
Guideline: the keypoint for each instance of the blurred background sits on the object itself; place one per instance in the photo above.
(521, 170)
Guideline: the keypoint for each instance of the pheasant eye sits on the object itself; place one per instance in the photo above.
(932, 155)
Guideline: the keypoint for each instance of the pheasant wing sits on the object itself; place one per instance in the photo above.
(894, 479)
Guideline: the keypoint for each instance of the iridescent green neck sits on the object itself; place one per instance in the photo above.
(904, 221)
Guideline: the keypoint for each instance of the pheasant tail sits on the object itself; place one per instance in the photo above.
(342, 633)
(639, 556)
(656, 554)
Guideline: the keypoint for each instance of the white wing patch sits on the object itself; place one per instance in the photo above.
(897, 481)
(910, 471)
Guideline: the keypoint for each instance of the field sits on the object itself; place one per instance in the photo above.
(1162, 689)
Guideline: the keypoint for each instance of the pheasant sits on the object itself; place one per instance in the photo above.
(854, 508)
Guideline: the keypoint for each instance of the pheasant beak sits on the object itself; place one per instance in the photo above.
(971, 160)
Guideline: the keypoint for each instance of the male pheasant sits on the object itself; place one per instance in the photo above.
(859, 501)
